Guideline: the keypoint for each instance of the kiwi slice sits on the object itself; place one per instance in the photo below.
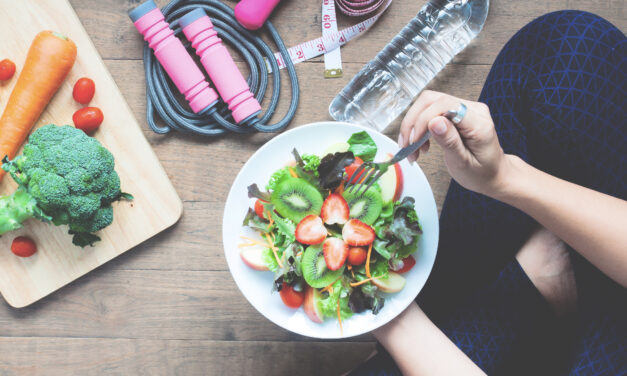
(366, 207)
(295, 199)
(315, 268)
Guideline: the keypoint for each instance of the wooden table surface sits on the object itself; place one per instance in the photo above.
(170, 305)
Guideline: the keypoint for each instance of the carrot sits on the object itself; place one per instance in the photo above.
(274, 249)
(329, 288)
(339, 316)
(368, 262)
(49, 59)
(355, 284)
(292, 172)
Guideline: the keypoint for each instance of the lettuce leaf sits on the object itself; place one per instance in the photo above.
(284, 226)
(380, 246)
(311, 163)
(253, 221)
(405, 226)
(363, 146)
(331, 169)
(398, 232)
(307, 167)
(277, 177)
(255, 192)
(268, 259)
(328, 304)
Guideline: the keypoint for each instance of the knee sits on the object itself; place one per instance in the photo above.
(567, 31)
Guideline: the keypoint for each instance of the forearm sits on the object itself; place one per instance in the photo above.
(420, 348)
(594, 224)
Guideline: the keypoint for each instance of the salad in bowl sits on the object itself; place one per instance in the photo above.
(251, 256)
(330, 250)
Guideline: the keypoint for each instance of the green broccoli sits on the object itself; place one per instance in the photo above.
(65, 177)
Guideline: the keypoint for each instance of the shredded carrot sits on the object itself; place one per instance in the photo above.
(355, 284)
(339, 317)
(350, 267)
(269, 218)
(276, 256)
(353, 274)
(292, 172)
(330, 287)
(252, 242)
(299, 254)
(368, 261)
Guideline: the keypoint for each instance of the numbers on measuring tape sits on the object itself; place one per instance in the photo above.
(331, 38)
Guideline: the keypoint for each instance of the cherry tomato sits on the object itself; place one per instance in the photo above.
(23, 246)
(291, 297)
(84, 90)
(350, 169)
(259, 209)
(88, 119)
(7, 69)
(357, 255)
(408, 263)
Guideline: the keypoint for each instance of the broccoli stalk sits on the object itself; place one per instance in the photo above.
(65, 177)
(17, 208)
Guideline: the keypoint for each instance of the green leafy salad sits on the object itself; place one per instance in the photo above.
(332, 251)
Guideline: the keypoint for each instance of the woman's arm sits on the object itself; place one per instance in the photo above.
(592, 223)
(420, 348)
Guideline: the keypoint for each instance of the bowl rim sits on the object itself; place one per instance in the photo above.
(256, 154)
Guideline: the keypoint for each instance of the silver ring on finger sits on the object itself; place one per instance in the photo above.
(456, 116)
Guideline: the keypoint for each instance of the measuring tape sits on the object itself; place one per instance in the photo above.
(332, 58)
(331, 40)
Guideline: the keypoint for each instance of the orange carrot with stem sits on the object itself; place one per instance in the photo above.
(49, 60)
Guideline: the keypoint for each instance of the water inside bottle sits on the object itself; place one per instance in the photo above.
(386, 86)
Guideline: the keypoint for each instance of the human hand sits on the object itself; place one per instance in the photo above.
(472, 152)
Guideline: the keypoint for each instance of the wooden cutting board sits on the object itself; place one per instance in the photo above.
(156, 205)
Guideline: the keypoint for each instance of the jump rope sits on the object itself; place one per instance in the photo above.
(205, 24)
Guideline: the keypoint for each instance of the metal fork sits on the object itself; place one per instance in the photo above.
(369, 172)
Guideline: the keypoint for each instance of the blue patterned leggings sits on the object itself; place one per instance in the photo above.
(558, 95)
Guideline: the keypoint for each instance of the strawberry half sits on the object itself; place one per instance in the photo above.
(357, 233)
(335, 253)
(335, 210)
(310, 230)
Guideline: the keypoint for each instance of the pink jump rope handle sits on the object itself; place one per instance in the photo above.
(253, 13)
(218, 62)
(173, 56)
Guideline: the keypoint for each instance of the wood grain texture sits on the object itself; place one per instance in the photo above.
(177, 357)
(156, 205)
(170, 306)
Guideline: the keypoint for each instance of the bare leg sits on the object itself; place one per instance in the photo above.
(546, 261)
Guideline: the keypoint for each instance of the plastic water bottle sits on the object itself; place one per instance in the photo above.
(386, 86)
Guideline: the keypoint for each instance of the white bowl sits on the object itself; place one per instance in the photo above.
(257, 285)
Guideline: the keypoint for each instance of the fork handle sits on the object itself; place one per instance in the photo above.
(409, 149)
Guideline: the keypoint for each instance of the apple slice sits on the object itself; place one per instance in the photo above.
(391, 183)
(310, 306)
(339, 147)
(252, 256)
(393, 283)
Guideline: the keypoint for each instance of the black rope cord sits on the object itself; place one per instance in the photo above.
(218, 120)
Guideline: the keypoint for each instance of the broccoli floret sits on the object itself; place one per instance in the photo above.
(66, 177)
